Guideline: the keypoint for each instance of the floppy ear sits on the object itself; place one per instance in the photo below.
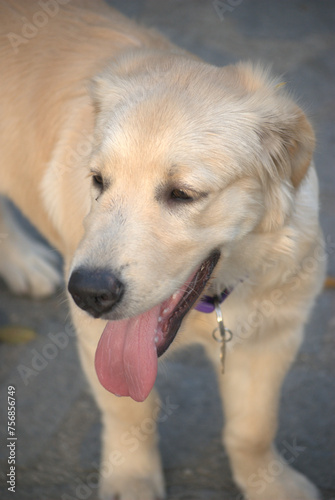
(287, 141)
(104, 92)
(286, 137)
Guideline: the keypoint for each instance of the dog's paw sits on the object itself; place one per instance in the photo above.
(136, 476)
(286, 485)
(125, 488)
(27, 266)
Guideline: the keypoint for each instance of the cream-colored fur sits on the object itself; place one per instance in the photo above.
(91, 91)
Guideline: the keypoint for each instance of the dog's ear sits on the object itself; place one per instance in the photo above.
(286, 136)
(287, 142)
(104, 92)
(285, 139)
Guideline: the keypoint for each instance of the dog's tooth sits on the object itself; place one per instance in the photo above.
(156, 339)
(166, 310)
(174, 296)
(159, 319)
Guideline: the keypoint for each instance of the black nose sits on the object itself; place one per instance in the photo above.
(96, 291)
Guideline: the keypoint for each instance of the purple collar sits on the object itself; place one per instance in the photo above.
(206, 304)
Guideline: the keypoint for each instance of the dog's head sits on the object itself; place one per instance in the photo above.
(190, 161)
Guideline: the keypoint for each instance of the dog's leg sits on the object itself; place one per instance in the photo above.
(26, 265)
(251, 385)
(130, 462)
(255, 367)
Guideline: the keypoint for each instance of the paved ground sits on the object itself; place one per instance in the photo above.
(58, 423)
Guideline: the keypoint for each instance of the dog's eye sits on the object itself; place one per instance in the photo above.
(180, 195)
(97, 181)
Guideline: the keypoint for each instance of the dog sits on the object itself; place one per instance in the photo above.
(168, 185)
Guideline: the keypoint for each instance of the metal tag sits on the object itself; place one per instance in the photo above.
(221, 333)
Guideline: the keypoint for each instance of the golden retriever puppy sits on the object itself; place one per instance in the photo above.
(161, 179)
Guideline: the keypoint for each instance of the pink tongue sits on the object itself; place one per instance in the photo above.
(126, 357)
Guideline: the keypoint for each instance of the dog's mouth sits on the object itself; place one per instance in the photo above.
(126, 356)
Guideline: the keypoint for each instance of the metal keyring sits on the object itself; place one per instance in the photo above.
(223, 330)
(222, 337)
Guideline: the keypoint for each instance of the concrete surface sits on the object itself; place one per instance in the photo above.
(58, 423)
